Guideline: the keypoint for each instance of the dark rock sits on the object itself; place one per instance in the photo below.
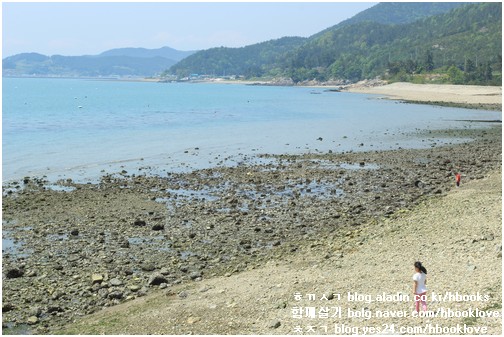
(157, 279)
(7, 307)
(74, 232)
(54, 308)
(15, 273)
(140, 223)
(158, 227)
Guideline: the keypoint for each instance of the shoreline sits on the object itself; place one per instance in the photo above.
(464, 96)
(459, 96)
(209, 223)
(448, 95)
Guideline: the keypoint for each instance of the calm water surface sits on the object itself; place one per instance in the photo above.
(80, 128)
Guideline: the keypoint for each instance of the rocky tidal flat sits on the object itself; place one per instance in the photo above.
(71, 249)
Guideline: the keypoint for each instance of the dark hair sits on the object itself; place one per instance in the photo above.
(418, 265)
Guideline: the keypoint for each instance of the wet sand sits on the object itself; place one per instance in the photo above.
(463, 95)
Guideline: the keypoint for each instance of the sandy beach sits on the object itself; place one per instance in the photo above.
(471, 95)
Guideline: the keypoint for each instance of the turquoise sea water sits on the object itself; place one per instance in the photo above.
(71, 128)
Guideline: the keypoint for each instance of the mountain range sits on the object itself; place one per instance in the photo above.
(114, 62)
(408, 37)
(389, 39)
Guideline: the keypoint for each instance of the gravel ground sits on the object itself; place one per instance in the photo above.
(289, 224)
(457, 237)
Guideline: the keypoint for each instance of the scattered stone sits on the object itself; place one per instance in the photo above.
(148, 267)
(103, 292)
(116, 295)
(15, 273)
(134, 288)
(115, 282)
(274, 324)
(124, 243)
(158, 227)
(96, 278)
(54, 308)
(35, 311)
(192, 320)
(156, 280)
(489, 237)
(195, 275)
(6, 307)
(31, 273)
(140, 223)
(182, 294)
(32, 320)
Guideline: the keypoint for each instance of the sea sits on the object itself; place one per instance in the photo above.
(81, 129)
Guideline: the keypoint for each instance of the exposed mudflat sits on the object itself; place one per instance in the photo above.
(72, 249)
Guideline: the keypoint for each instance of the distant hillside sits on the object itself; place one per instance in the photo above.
(386, 39)
(368, 49)
(166, 52)
(390, 13)
(115, 62)
(253, 60)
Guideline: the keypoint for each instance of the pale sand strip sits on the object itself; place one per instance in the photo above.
(463, 94)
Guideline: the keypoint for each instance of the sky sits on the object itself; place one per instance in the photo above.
(89, 28)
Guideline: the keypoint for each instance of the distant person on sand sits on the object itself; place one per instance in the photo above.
(457, 178)
(419, 286)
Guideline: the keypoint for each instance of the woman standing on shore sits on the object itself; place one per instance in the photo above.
(419, 286)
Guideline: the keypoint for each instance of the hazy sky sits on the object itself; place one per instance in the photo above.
(93, 27)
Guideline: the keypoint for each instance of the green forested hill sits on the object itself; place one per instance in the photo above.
(251, 61)
(397, 13)
(368, 49)
(464, 42)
